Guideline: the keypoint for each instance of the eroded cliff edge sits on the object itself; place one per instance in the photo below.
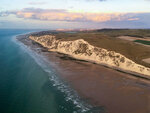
(81, 49)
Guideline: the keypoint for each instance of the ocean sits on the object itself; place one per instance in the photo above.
(27, 85)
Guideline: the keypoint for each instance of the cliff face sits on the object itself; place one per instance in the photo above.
(81, 49)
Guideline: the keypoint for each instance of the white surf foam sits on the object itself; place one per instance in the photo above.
(71, 95)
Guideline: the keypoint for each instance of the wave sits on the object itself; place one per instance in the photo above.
(71, 95)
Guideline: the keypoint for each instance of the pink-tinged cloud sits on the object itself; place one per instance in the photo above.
(64, 15)
(133, 19)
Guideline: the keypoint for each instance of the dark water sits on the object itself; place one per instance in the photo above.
(25, 87)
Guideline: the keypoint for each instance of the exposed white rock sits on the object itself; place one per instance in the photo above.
(80, 49)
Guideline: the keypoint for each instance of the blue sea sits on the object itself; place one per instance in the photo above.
(27, 85)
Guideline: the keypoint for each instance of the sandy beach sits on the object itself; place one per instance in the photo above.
(114, 91)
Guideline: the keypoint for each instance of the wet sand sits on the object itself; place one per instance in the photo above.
(100, 86)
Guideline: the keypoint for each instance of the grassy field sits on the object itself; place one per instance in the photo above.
(126, 32)
(143, 42)
(106, 39)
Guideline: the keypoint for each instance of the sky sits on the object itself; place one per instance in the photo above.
(74, 14)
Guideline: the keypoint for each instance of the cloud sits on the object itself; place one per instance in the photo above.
(132, 19)
(64, 15)
(3, 14)
(37, 3)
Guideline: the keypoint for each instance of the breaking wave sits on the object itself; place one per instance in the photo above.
(62, 86)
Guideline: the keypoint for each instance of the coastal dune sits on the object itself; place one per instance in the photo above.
(82, 50)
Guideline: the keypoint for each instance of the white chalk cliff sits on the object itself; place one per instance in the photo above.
(80, 49)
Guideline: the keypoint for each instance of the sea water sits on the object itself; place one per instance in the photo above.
(27, 85)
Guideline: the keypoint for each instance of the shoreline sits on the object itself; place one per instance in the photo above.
(82, 50)
(57, 81)
(85, 76)
(44, 49)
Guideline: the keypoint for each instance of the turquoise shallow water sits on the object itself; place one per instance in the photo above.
(25, 87)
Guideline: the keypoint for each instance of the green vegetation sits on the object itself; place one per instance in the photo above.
(143, 42)
(126, 32)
